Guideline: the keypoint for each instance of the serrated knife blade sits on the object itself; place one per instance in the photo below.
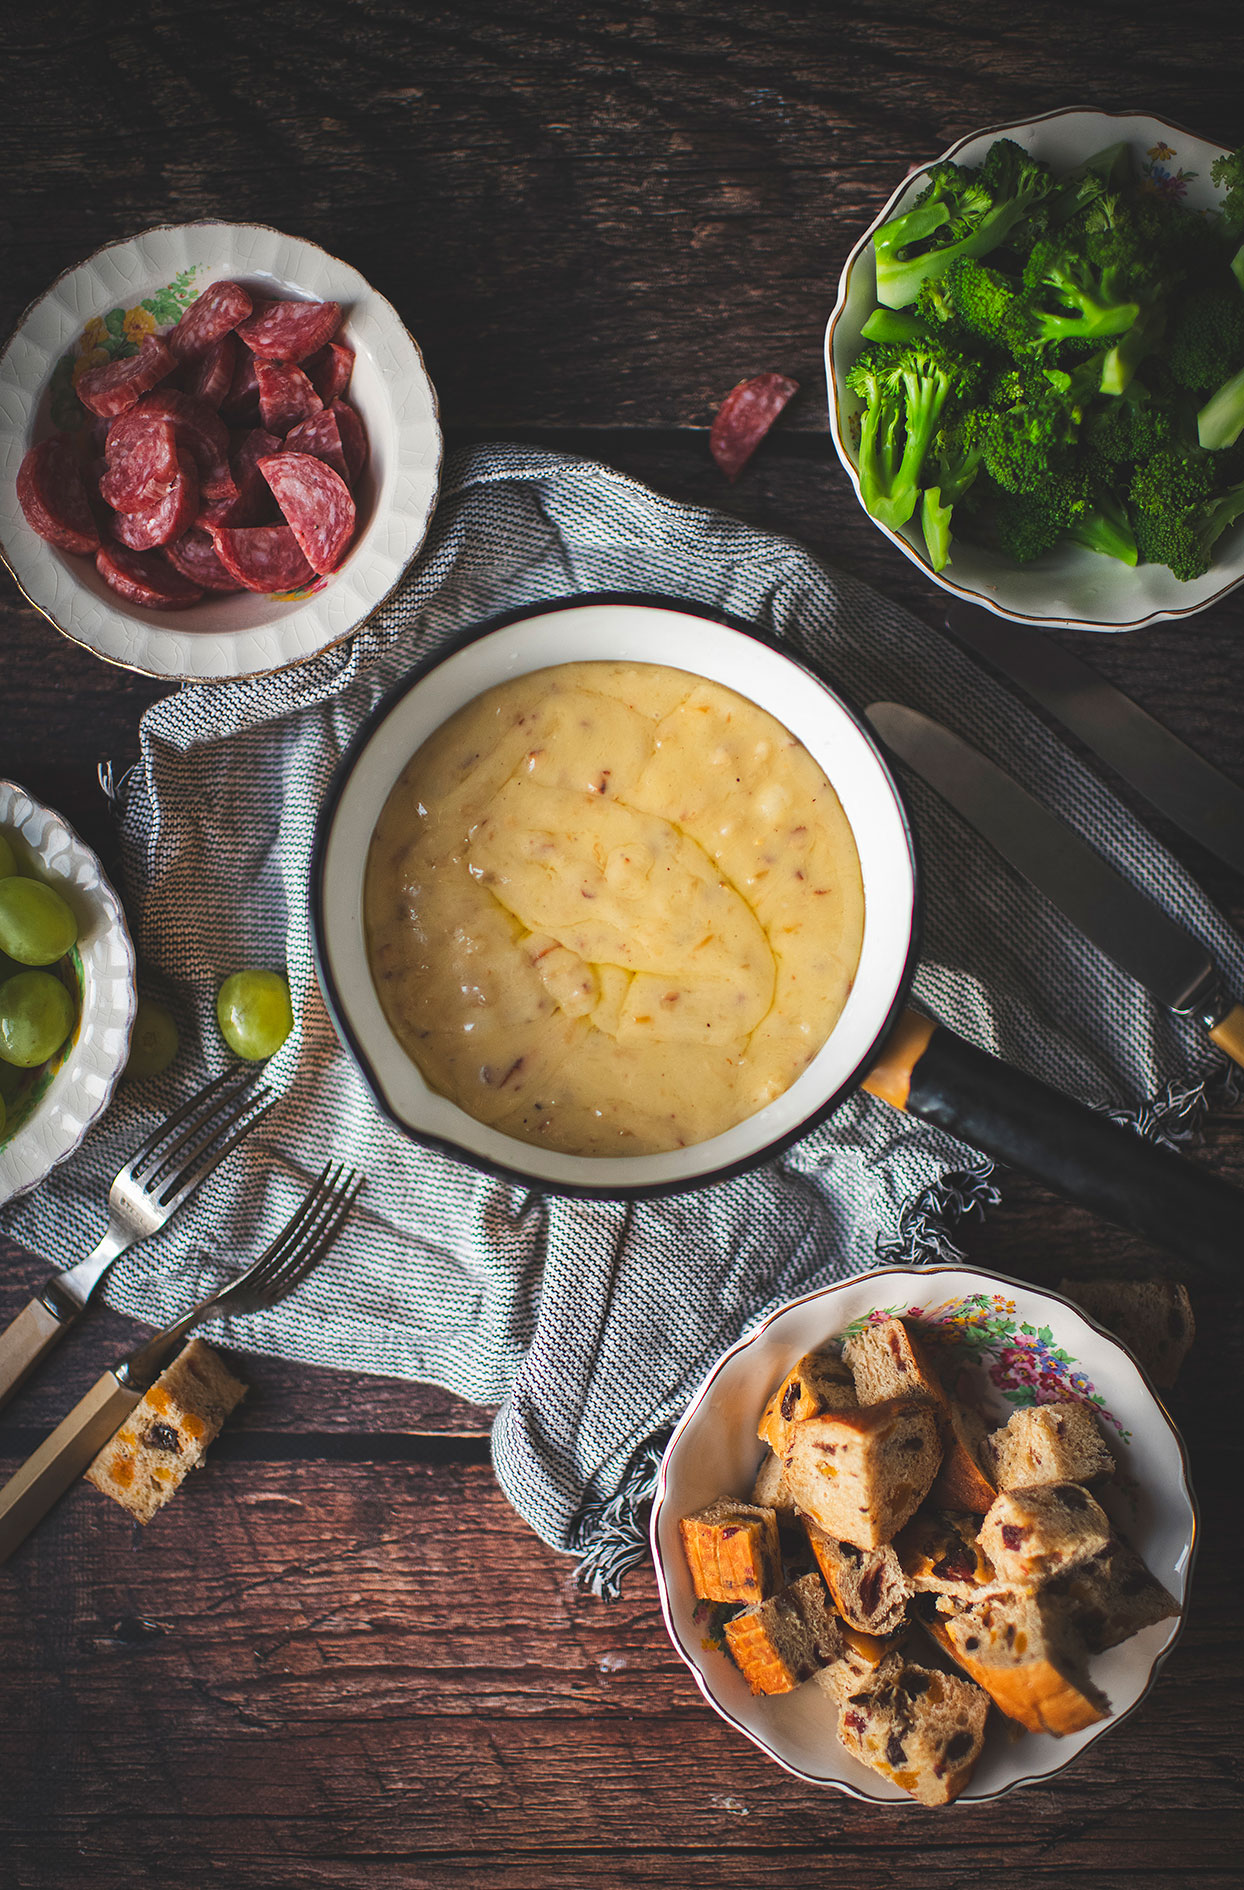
(1174, 967)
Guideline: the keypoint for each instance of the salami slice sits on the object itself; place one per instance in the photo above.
(194, 555)
(115, 385)
(140, 457)
(253, 503)
(262, 557)
(317, 503)
(745, 416)
(172, 515)
(53, 497)
(211, 315)
(146, 578)
(211, 376)
(353, 438)
(241, 404)
(329, 371)
(290, 331)
(321, 437)
(286, 396)
(202, 432)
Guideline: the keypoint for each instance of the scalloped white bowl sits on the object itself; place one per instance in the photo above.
(84, 1074)
(715, 1451)
(1068, 587)
(241, 635)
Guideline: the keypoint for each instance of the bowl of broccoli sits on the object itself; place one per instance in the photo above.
(1036, 370)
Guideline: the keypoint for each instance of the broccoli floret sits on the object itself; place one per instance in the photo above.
(1176, 512)
(1028, 523)
(1104, 527)
(984, 304)
(904, 390)
(1129, 428)
(1174, 478)
(957, 214)
(1071, 297)
(1205, 341)
(1028, 431)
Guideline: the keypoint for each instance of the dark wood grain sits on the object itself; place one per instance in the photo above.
(339, 1660)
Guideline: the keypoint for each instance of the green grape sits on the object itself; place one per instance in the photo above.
(36, 1016)
(154, 1042)
(8, 859)
(36, 926)
(254, 1014)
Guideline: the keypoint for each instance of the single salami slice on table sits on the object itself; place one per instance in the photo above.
(211, 376)
(140, 456)
(53, 497)
(146, 578)
(745, 416)
(262, 557)
(290, 331)
(353, 438)
(213, 314)
(166, 520)
(321, 437)
(115, 385)
(286, 396)
(195, 556)
(317, 503)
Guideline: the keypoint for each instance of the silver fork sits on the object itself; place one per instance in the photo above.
(300, 1245)
(165, 1171)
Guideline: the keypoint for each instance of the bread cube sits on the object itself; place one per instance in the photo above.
(1048, 1443)
(868, 1586)
(771, 1490)
(864, 1659)
(888, 1360)
(1152, 1317)
(923, 1730)
(1024, 1654)
(1112, 1596)
(939, 1554)
(860, 1474)
(819, 1382)
(732, 1551)
(779, 1643)
(167, 1433)
(1031, 1534)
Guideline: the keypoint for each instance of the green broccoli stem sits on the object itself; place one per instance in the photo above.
(935, 524)
(885, 496)
(899, 277)
(1121, 362)
(895, 325)
(1221, 420)
(1107, 532)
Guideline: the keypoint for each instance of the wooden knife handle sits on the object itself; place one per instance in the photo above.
(24, 1342)
(1229, 1034)
(28, 1496)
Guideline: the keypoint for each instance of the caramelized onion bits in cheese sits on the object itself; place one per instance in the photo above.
(612, 908)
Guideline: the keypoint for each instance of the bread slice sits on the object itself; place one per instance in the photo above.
(939, 1554)
(819, 1382)
(888, 1360)
(1048, 1443)
(779, 1643)
(1112, 1596)
(1031, 1534)
(732, 1551)
(860, 1474)
(1025, 1656)
(864, 1658)
(923, 1730)
(868, 1586)
(167, 1433)
(1152, 1317)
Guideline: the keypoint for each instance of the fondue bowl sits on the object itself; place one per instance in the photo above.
(628, 630)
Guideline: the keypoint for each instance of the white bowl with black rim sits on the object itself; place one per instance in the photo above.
(1014, 1344)
(146, 279)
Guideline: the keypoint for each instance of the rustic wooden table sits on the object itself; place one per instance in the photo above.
(341, 1660)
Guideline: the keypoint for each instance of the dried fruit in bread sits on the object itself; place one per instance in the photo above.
(732, 1551)
(860, 1474)
(1026, 1656)
(923, 1730)
(1048, 1443)
(1032, 1534)
(779, 1643)
(167, 1433)
(868, 1586)
(940, 1555)
(819, 1382)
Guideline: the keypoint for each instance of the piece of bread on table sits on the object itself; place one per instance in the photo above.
(1048, 1443)
(868, 1586)
(939, 1554)
(819, 1382)
(859, 1474)
(732, 1551)
(888, 1360)
(1152, 1317)
(1026, 1656)
(1111, 1596)
(167, 1433)
(1032, 1534)
(779, 1643)
(923, 1730)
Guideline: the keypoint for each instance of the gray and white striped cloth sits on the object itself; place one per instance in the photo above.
(587, 1324)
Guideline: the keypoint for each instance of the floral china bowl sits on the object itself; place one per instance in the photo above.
(1004, 1345)
(102, 309)
(48, 1111)
(1069, 587)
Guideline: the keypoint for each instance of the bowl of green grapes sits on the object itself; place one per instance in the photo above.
(67, 990)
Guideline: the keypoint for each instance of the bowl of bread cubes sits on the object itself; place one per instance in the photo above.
(926, 1534)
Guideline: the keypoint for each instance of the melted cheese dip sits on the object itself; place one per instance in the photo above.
(612, 908)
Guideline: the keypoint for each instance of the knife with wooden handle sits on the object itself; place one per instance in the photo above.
(1144, 941)
(62, 1458)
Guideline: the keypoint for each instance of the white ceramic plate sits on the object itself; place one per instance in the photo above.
(51, 1116)
(1068, 587)
(1014, 1341)
(222, 636)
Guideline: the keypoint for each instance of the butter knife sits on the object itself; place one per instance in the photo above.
(1174, 967)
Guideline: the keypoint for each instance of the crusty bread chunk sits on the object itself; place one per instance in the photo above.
(1112, 1596)
(771, 1489)
(1031, 1534)
(864, 1658)
(779, 1643)
(940, 1555)
(922, 1729)
(1152, 1317)
(732, 1551)
(1026, 1657)
(819, 1382)
(888, 1360)
(167, 1433)
(868, 1586)
(860, 1474)
(1048, 1443)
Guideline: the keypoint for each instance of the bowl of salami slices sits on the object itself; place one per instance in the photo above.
(221, 451)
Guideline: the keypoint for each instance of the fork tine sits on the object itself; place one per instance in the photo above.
(290, 1234)
(208, 1098)
(295, 1265)
(171, 1193)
